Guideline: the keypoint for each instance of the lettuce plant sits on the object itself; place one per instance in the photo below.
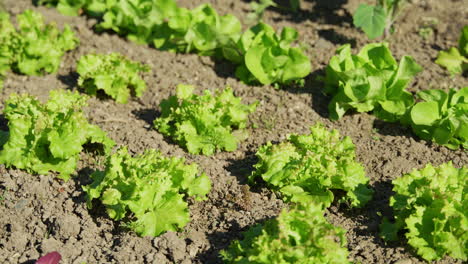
(300, 235)
(306, 168)
(148, 189)
(199, 30)
(456, 60)
(35, 47)
(136, 19)
(372, 80)
(266, 57)
(441, 117)
(116, 75)
(204, 123)
(430, 205)
(48, 137)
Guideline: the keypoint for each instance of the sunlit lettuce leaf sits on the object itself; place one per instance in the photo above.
(456, 59)
(48, 137)
(430, 206)
(35, 48)
(113, 73)
(309, 168)
(372, 80)
(441, 117)
(148, 189)
(204, 123)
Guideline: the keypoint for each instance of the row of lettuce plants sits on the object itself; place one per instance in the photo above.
(262, 55)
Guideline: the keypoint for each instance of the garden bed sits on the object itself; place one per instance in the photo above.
(39, 213)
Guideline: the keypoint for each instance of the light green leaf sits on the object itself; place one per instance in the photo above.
(452, 60)
(371, 19)
(425, 113)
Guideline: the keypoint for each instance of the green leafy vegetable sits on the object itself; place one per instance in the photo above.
(200, 29)
(301, 235)
(137, 19)
(48, 137)
(441, 117)
(35, 47)
(430, 204)
(204, 123)
(266, 57)
(456, 60)
(372, 80)
(116, 75)
(149, 189)
(378, 19)
(306, 168)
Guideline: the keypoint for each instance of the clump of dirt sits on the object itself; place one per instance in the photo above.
(41, 214)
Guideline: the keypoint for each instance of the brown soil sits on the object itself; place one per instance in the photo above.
(40, 213)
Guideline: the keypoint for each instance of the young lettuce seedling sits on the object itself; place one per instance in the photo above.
(378, 19)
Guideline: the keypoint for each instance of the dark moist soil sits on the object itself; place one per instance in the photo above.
(40, 213)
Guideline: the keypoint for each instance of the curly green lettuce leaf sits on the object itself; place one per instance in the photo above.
(441, 117)
(430, 205)
(308, 168)
(456, 59)
(113, 73)
(48, 137)
(300, 235)
(35, 48)
(205, 123)
(148, 189)
(372, 80)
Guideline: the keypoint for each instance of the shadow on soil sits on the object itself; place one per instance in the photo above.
(70, 80)
(242, 168)
(314, 86)
(322, 11)
(336, 38)
(369, 218)
(392, 129)
(148, 115)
